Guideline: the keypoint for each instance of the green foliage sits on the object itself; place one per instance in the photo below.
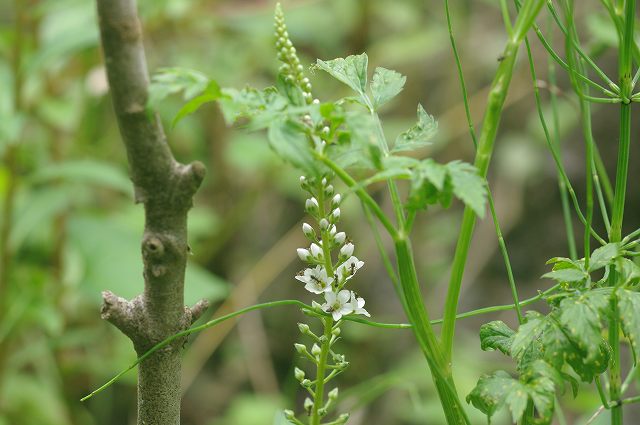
(496, 335)
(419, 135)
(351, 71)
(537, 384)
(385, 85)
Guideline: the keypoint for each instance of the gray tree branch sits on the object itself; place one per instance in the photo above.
(166, 188)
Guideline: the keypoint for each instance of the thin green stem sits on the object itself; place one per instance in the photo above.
(463, 86)
(505, 257)
(614, 367)
(361, 193)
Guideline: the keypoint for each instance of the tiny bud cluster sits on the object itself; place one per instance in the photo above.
(291, 68)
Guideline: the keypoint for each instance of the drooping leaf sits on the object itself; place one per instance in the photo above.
(351, 71)
(537, 383)
(580, 318)
(259, 106)
(468, 186)
(385, 85)
(496, 335)
(419, 135)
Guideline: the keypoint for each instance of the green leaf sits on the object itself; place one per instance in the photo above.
(468, 186)
(168, 81)
(211, 93)
(351, 71)
(385, 85)
(85, 171)
(628, 308)
(604, 256)
(566, 275)
(537, 383)
(288, 139)
(496, 335)
(580, 317)
(629, 271)
(419, 135)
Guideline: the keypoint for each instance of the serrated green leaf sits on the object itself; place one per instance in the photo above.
(468, 186)
(351, 71)
(580, 317)
(496, 335)
(432, 171)
(419, 135)
(537, 383)
(629, 271)
(566, 275)
(385, 85)
(628, 308)
(604, 256)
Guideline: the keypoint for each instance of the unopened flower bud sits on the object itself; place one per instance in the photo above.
(304, 328)
(311, 206)
(335, 215)
(324, 181)
(299, 374)
(316, 306)
(339, 238)
(316, 101)
(326, 130)
(308, 231)
(322, 339)
(342, 419)
(333, 394)
(347, 250)
(308, 404)
(315, 350)
(300, 348)
(306, 383)
(316, 252)
(304, 254)
(336, 200)
(332, 230)
(288, 414)
(328, 190)
(324, 224)
(336, 332)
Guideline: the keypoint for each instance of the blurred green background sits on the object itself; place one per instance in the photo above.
(71, 230)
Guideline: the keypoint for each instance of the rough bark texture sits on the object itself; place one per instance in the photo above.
(166, 188)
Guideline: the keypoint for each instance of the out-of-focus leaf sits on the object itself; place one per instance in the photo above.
(113, 261)
(168, 81)
(385, 85)
(210, 94)
(85, 171)
(419, 135)
(628, 308)
(287, 139)
(566, 275)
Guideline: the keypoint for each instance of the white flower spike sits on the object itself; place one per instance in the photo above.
(337, 304)
(316, 280)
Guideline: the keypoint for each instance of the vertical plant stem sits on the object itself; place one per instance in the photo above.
(624, 76)
(614, 368)
(320, 375)
(495, 103)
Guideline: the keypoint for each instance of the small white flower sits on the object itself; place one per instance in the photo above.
(339, 239)
(316, 280)
(304, 254)
(328, 190)
(335, 214)
(316, 251)
(337, 304)
(356, 304)
(336, 200)
(324, 224)
(347, 249)
(349, 268)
